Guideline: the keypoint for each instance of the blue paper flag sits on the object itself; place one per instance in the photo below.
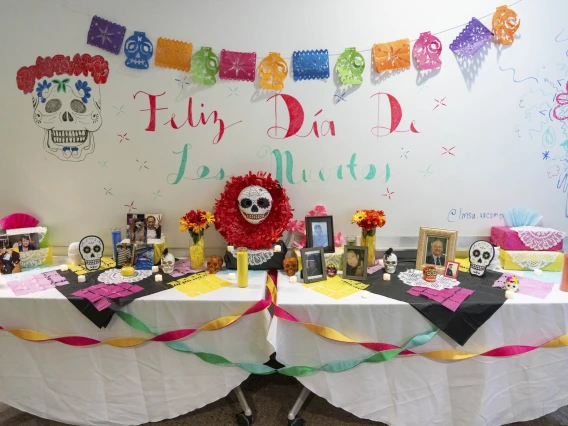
(138, 50)
(310, 64)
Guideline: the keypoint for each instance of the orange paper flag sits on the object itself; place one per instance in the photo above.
(392, 56)
(273, 70)
(505, 25)
(173, 54)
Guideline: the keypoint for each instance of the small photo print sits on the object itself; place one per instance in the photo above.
(451, 269)
(24, 242)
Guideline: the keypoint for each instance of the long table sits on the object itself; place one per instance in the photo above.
(103, 384)
(415, 390)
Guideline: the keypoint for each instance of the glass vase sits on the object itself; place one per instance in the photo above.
(368, 239)
(197, 252)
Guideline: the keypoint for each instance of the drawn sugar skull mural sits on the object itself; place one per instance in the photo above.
(66, 101)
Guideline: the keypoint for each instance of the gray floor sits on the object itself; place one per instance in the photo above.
(270, 398)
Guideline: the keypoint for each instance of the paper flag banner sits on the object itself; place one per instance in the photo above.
(505, 25)
(138, 50)
(471, 39)
(106, 35)
(392, 56)
(272, 71)
(205, 66)
(350, 66)
(173, 54)
(310, 64)
(427, 50)
(237, 65)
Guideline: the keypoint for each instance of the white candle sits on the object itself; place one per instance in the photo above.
(293, 279)
(158, 278)
(277, 249)
(232, 275)
(365, 294)
(155, 269)
(386, 277)
(64, 268)
(230, 249)
(509, 294)
(81, 278)
(538, 272)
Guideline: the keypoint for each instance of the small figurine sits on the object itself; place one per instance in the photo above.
(429, 273)
(168, 261)
(290, 265)
(214, 264)
(390, 261)
(511, 286)
(331, 270)
(74, 255)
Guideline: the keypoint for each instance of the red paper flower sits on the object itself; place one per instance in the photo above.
(232, 225)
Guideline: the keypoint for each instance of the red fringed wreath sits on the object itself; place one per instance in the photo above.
(233, 226)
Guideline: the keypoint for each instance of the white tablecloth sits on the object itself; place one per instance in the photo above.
(419, 391)
(104, 385)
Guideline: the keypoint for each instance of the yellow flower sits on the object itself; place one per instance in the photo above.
(183, 228)
(358, 217)
(208, 216)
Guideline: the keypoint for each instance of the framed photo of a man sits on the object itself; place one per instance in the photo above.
(319, 233)
(313, 264)
(355, 262)
(436, 247)
(451, 269)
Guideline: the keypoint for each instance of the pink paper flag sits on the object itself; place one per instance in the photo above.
(237, 66)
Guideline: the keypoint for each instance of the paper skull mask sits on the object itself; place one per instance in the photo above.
(66, 101)
(255, 203)
(91, 249)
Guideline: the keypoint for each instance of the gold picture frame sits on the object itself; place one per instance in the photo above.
(428, 252)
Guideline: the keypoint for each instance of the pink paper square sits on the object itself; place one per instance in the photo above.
(237, 65)
(136, 288)
(102, 304)
(122, 293)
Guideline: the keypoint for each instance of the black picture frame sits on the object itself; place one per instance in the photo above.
(318, 271)
(363, 252)
(311, 221)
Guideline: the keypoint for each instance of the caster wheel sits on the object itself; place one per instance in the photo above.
(298, 421)
(244, 420)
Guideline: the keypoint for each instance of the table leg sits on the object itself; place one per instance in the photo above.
(293, 420)
(245, 417)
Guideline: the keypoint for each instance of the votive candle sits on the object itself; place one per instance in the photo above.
(155, 269)
(81, 278)
(242, 267)
(64, 268)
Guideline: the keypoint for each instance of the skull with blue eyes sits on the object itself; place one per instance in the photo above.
(255, 203)
(512, 284)
(69, 110)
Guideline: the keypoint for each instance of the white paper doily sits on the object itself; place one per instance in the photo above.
(532, 260)
(539, 238)
(113, 276)
(33, 258)
(413, 277)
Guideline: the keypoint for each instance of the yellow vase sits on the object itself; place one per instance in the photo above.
(197, 254)
(368, 239)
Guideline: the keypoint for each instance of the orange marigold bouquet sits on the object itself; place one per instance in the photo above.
(196, 222)
(369, 220)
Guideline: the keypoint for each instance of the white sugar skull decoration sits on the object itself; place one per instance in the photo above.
(168, 262)
(66, 101)
(255, 204)
(91, 249)
(481, 254)
(74, 254)
(390, 261)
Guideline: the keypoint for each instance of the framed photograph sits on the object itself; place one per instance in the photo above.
(451, 269)
(313, 264)
(355, 262)
(435, 247)
(24, 242)
(153, 226)
(319, 233)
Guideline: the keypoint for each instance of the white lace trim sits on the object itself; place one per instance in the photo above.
(413, 278)
(33, 258)
(113, 276)
(257, 257)
(532, 260)
(539, 238)
(40, 230)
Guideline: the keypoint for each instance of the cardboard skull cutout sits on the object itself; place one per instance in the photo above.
(66, 102)
(168, 261)
(390, 261)
(481, 254)
(255, 204)
(91, 249)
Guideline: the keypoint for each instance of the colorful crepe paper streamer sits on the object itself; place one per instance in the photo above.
(471, 38)
(310, 64)
(427, 50)
(106, 35)
(173, 54)
(205, 66)
(138, 50)
(272, 71)
(392, 56)
(350, 66)
(505, 25)
(237, 65)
